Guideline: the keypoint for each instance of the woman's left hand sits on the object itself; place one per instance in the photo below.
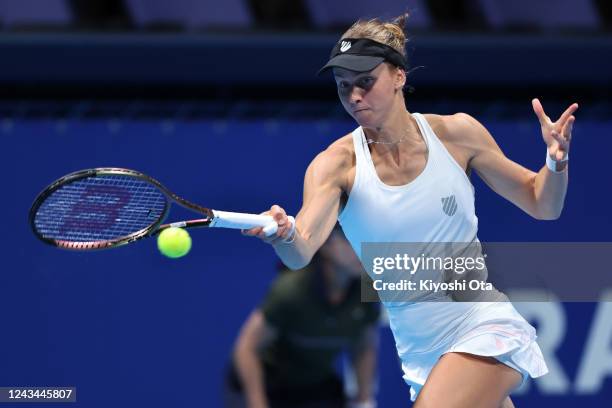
(557, 135)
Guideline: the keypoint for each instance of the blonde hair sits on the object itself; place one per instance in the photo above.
(390, 33)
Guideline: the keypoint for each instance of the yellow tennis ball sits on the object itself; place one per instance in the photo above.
(174, 242)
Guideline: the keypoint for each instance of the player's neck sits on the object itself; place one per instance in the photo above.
(398, 131)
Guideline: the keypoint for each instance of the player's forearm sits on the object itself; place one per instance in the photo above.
(250, 373)
(549, 192)
(296, 254)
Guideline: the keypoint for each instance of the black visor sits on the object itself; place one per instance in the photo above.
(362, 54)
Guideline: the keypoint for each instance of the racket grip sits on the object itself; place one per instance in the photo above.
(273, 227)
(225, 219)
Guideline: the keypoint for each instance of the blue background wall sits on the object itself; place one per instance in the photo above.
(131, 328)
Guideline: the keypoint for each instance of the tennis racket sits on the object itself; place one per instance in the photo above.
(109, 207)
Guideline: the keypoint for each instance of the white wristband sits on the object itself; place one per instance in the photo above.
(291, 236)
(552, 164)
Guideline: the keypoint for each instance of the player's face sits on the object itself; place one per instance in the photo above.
(367, 96)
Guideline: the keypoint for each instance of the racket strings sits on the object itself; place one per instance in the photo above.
(101, 208)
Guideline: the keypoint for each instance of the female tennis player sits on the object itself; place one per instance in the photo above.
(386, 182)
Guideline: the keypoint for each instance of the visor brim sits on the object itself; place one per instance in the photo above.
(357, 63)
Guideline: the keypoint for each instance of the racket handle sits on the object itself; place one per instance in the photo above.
(273, 227)
(225, 219)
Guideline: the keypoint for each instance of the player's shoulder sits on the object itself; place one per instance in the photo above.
(451, 126)
(336, 159)
(459, 129)
(340, 152)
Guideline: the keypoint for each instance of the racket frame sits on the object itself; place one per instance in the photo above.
(150, 230)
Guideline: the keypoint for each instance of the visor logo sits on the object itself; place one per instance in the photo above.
(345, 46)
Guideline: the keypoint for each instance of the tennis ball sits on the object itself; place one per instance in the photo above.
(174, 242)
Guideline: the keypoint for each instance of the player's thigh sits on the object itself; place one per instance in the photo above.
(461, 380)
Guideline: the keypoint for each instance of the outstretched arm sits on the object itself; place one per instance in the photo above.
(324, 183)
(540, 194)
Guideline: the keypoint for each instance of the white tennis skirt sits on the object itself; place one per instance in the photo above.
(425, 331)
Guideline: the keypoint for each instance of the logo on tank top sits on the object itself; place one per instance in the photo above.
(345, 46)
(449, 205)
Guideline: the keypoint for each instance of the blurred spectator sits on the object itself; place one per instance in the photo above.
(285, 354)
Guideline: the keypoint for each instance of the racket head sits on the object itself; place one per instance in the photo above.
(99, 208)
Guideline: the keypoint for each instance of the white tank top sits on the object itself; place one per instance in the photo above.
(437, 206)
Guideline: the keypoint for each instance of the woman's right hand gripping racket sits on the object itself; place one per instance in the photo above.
(108, 207)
